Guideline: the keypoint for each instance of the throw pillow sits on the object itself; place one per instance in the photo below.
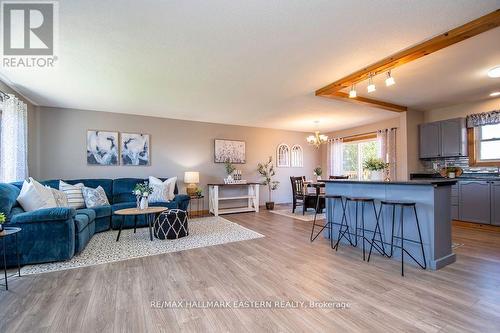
(45, 192)
(29, 198)
(162, 191)
(60, 197)
(94, 197)
(73, 194)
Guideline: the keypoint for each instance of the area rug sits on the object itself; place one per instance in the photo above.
(103, 247)
(309, 216)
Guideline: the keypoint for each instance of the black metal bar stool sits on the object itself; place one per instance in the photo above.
(329, 220)
(363, 201)
(403, 205)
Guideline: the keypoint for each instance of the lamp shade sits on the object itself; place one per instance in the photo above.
(191, 177)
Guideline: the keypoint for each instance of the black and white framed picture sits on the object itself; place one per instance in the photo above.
(102, 147)
(135, 149)
(229, 150)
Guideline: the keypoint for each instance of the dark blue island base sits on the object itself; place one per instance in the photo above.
(433, 204)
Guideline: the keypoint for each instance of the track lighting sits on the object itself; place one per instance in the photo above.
(389, 81)
(371, 86)
(352, 92)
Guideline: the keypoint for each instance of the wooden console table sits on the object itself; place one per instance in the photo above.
(252, 198)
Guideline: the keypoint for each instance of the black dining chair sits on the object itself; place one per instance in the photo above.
(300, 196)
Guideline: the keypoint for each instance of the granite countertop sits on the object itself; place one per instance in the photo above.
(433, 182)
(464, 176)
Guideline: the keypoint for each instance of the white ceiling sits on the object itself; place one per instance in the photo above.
(253, 63)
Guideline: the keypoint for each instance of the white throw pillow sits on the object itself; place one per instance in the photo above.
(60, 197)
(162, 191)
(45, 193)
(73, 193)
(29, 198)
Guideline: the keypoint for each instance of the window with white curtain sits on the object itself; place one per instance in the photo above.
(297, 156)
(13, 140)
(355, 153)
(283, 156)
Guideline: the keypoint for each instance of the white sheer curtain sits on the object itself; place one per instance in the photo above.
(13, 140)
(387, 141)
(335, 160)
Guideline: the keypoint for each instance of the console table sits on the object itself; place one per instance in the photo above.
(252, 197)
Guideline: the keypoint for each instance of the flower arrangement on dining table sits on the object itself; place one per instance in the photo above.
(142, 192)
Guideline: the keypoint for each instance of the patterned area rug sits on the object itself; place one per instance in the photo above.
(103, 247)
(309, 216)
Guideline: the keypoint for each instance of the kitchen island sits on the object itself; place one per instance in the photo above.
(433, 200)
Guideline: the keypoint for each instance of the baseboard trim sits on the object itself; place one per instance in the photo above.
(476, 226)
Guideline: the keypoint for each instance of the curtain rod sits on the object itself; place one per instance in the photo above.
(3, 95)
(361, 134)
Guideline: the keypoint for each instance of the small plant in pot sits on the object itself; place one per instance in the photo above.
(318, 172)
(2, 221)
(266, 170)
(376, 167)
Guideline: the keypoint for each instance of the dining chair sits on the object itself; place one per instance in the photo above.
(300, 195)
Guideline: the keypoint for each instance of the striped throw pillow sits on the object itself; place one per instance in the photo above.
(73, 194)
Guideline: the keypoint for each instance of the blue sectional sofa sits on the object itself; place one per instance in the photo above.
(55, 234)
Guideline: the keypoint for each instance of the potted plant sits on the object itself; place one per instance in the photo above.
(229, 170)
(266, 170)
(318, 172)
(376, 167)
(142, 192)
(2, 221)
(451, 172)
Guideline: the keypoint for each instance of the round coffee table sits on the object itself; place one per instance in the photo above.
(149, 213)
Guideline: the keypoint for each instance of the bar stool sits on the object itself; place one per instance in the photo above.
(363, 201)
(329, 222)
(403, 205)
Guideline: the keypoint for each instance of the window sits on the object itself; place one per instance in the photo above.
(283, 156)
(297, 157)
(355, 153)
(488, 143)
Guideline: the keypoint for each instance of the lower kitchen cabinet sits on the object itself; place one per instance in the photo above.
(495, 203)
(475, 201)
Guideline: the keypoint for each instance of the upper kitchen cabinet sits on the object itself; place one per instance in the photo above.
(447, 138)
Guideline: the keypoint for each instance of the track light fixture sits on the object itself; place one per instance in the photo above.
(389, 81)
(352, 92)
(371, 86)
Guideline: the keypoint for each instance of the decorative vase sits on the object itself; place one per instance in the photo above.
(377, 175)
(144, 203)
(318, 177)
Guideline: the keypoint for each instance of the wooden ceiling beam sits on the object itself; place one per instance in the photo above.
(468, 30)
(367, 102)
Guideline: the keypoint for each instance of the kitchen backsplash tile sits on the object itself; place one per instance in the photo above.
(463, 162)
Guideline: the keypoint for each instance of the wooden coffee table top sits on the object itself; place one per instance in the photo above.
(135, 211)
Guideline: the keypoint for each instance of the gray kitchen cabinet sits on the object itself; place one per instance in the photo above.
(447, 138)
(495, 203)
(430, 142)
(454, 202)
(474, 201)
(453, 137)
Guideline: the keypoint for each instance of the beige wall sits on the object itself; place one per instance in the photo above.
(33, 166)
(177, 146)
(462, 110)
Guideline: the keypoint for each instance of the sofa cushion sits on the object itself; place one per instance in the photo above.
(87, 211)
(8, 195)
(81, 222)
(102, 211)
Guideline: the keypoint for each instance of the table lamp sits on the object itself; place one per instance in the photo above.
(191, 178)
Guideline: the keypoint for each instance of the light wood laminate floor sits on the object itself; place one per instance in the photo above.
(284, 265)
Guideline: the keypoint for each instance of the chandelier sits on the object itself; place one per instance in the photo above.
(317, 139)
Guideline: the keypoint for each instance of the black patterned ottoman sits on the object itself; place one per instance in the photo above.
(171, 224)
